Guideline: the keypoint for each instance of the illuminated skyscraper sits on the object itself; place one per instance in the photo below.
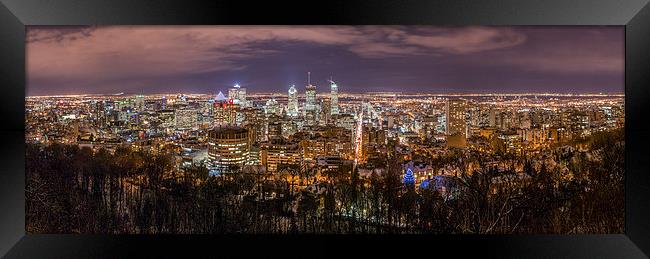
(310, 94)
(310, 102)
(224, 111)
(325, 113)
(334, 98)
(255, 122)
(271, 107)
(139, 103)
(292, 105)
(456, 123)
(238, 95)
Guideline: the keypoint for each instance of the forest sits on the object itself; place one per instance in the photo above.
(76, 190)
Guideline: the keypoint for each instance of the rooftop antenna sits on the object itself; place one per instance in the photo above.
(309, 78)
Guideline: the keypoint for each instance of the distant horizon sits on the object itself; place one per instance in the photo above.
(343, 92)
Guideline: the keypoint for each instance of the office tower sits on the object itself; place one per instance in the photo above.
(254, 121)
(310, 102)
(492, 122)
(456, 123)
(164, 103)
(224, 111)
(279, 152)
(292, 105)
(233, 94)
(310, 98)
(369, 112)
(101, 120)
(346, 121)
(242, 97)
(207, 113)
(139, 103)
(271, 107)
(274, 130)
(334, 98)
(167, 119)
(186, 118)
(330, 141)
(325, 114)
(228, 148)
(441, 125)
(238, 95)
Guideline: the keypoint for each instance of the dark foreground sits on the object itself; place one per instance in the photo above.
(73, 190)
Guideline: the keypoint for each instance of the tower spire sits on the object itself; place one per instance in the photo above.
(309, 78)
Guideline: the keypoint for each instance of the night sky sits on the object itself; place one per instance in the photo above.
(208, 59)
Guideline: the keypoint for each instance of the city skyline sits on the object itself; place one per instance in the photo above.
(278, 142)
(422, 59)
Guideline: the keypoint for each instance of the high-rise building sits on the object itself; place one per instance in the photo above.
(310, 98)
(325, 114)
(292, 105)
(310, 102)
(224, 111)
(327, 141)
(139, 103)
(228, 148)
(233, 94)
(100, 110)
(271, 107)
(278, 152)
(334, 98)
(274, 130)
(167, 119)
(186, 118)
(456, 123)
(238, 95)
(255, 121)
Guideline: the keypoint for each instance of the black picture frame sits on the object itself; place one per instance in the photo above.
(16, 14)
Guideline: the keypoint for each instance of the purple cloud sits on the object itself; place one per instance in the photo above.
(141, 55)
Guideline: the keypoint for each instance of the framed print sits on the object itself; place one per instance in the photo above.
(176, 129)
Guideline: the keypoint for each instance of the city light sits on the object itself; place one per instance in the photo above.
(387, 148)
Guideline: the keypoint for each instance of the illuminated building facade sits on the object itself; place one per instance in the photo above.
(274, 129)
(255, 121)
(139, 103)
(228, 147)
(292, 105)
(224, 111)
(310, 104)
(456, 123)
(271, 107)
(279, 152)
(186, 118)
(238, 95)
(334, 98)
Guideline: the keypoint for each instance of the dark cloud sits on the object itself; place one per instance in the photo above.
(65, 60)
